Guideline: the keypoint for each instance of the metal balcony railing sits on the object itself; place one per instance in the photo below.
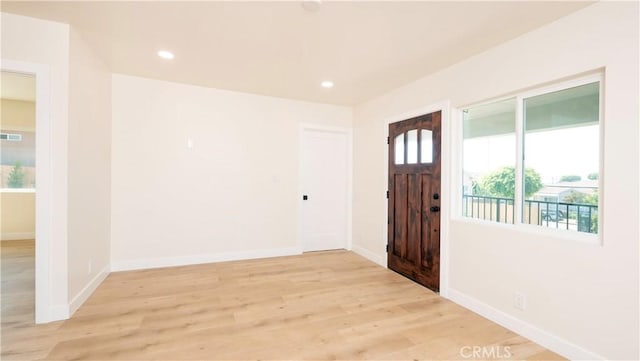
(573, 216)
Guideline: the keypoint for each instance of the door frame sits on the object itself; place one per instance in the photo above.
(44, 309)
(304, 127)
(445, 182)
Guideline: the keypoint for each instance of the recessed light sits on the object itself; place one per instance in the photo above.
(164, 54)
(311, 5)
(327, 84)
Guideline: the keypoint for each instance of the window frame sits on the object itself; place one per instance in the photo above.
(520, 96)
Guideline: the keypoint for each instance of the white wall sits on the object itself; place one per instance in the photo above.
(47, 43)
(582, 299)
(17, 215)
(89, 169)
(18, 115)
(80, 123)
(233, 195)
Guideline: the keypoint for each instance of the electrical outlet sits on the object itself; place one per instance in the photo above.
(89, 267)
(519, 300)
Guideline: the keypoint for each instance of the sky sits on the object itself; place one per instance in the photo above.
(553, 153)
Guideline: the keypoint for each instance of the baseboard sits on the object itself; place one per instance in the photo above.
(371, 256)
(87, 291)
(535, 334)
(147, 263)
(17, 236)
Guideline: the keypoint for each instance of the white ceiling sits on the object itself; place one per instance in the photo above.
(280, 49)
(16, 86)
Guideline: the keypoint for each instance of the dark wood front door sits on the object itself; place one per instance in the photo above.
(414, 199)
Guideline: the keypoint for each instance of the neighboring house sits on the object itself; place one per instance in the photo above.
(21, 150)
(558, 192)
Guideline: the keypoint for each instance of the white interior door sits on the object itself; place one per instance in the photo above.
(325, 190)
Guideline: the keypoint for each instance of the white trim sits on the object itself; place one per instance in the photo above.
(457, 151)
(601, 175)
(87, 291)
(446, 152)
(349, 189)
(58, 313)
(554, 86)
(371, 256)
(18, 236)
(445, 180)
(44, 311)
(525, 329)
(349, 134)
(148, 263)
(544, 88)
(17, 190)
(518, 192)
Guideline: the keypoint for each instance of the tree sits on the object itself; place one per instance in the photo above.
(593, 176)
(16, 177)
(570, 178)
(591, 199)
(502, 182)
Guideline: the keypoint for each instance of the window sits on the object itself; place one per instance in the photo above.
(17, 161)
(11, 137)
(489, 160)
(399, 151)
(554, 183)
(426, 147)
(17, 132)
(425, 150)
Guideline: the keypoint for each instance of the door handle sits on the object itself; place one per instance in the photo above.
(435, 209)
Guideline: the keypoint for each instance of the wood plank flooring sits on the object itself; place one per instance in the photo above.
(323, 305)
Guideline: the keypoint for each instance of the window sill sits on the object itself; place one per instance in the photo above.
(17, 190)
(561, 234)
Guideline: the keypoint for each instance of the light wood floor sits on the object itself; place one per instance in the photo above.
(325, 305)
(17, 293)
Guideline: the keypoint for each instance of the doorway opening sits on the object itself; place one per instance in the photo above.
(42, 310)
(18, 196)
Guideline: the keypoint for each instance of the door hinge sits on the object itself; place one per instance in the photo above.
(387, 194)
(387, 248)
(387, 140)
